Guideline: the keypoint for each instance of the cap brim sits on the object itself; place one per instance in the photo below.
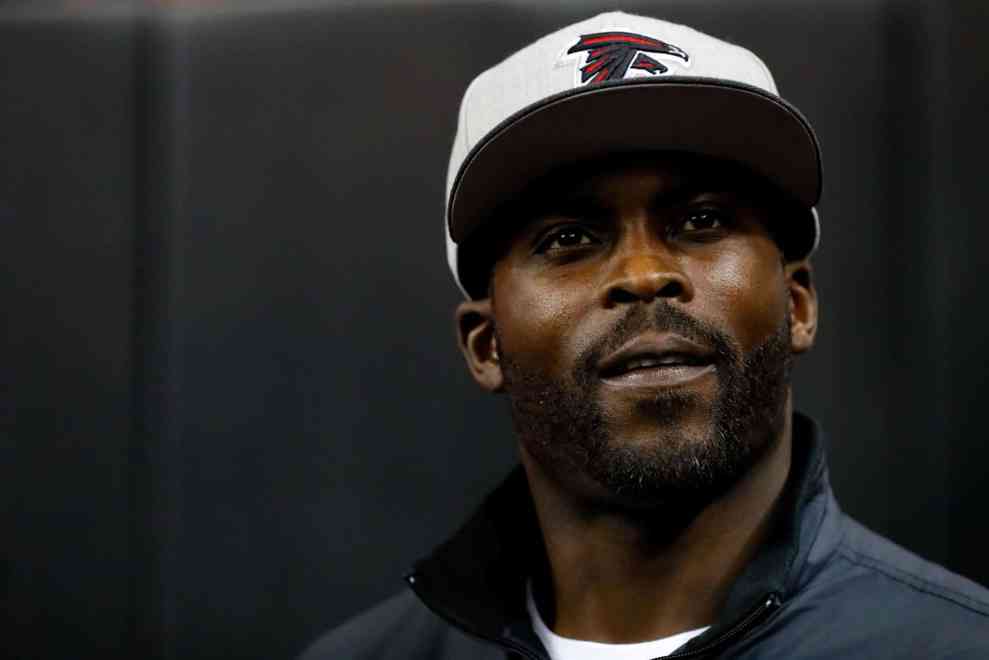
(705, 116)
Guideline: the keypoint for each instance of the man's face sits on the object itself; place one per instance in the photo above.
(642, 328)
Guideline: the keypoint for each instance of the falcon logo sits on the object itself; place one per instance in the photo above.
(612, 55)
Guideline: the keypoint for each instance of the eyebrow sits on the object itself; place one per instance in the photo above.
(589, 200)
(684, 193)
(576, 203)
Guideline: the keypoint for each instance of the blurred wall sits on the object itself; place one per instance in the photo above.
(232, 412)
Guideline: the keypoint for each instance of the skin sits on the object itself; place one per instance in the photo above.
(589, 247)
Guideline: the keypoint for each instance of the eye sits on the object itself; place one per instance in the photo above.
(565, 238)
(702, 221)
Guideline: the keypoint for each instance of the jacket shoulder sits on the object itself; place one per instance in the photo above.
(883, 601)
(928, 582)
(873, 599)
(399, 627)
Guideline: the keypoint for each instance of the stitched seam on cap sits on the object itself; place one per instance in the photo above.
(765, 70)
(463, 116)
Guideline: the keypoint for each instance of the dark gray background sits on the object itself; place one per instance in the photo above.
(231, 410)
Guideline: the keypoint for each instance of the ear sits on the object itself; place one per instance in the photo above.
(478, 343)
(803, 305)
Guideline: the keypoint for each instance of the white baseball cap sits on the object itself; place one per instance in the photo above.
(618, 83)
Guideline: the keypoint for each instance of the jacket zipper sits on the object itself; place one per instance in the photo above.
(769, 604)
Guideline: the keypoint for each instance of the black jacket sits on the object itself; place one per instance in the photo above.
(823, 586)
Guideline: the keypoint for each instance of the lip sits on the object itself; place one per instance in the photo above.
(697, 362)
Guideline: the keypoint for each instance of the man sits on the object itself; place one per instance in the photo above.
(631, 216)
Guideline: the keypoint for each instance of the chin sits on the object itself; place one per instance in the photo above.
(683, 467)
(670, 419)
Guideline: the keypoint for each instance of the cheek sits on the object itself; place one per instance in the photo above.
(534, 322)
(747, 292)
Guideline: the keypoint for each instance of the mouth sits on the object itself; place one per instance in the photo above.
(657, 361)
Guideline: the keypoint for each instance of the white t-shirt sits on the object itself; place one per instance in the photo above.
(564, 648)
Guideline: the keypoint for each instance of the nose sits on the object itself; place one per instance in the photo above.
(644, 269)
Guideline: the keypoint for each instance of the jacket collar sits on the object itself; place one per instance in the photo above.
(476, 580)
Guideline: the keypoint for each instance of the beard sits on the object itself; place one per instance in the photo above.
(563, 425)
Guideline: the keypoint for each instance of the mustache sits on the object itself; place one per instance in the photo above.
(660, 316)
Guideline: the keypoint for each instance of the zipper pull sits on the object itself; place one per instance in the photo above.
(770, 603)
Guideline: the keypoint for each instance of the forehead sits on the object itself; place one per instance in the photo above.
(617, 177)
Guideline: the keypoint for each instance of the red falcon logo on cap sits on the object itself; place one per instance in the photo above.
(610, 55)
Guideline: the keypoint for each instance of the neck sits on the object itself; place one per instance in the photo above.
(623, 578)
